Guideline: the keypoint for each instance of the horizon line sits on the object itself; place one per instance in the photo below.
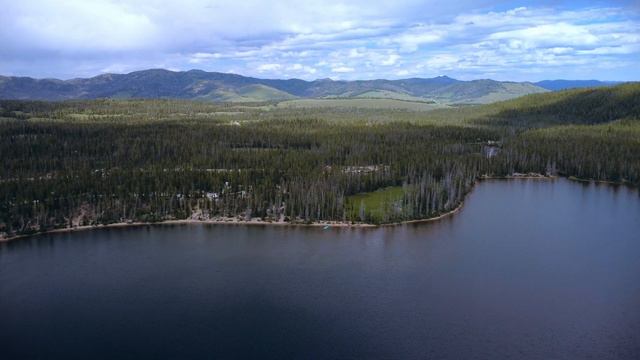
(293, 78)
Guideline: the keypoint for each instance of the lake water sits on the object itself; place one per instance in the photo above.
(528, 269)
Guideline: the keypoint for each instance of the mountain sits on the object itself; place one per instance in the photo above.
(214, 86)
(555, 85)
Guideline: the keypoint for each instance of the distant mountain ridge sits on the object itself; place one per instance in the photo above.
(215, 86)
(555, 85)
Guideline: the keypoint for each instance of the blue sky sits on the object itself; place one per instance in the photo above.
(362, 39)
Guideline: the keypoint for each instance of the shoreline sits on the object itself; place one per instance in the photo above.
(606, 182)
(233, 221)
(331, 224)
(226, 221)
(435, 218)
(528, 176)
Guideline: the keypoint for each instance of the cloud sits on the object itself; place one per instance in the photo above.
(299, 68)
(76, 26)
(441, 62)
(549, 35)
(269, 67)
(316, 39)
(342, 69)
(412, 39)
(391, 60)
(200, 57)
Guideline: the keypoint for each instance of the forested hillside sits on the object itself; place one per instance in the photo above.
(104, 161)
(579, 106)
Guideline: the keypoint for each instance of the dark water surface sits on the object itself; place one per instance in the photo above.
(527, 270)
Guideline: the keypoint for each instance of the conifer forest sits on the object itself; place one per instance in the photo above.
(89, 162)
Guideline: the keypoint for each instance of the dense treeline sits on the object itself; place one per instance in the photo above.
(104, 161)
(606, 152)
(301, 169)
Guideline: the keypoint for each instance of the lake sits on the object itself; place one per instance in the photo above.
(528, 269)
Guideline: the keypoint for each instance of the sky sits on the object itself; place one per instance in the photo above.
(309, 39)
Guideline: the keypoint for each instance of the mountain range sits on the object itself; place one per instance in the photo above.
(555, 85)
(215, 86)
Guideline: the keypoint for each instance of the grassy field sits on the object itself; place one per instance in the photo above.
(375, 204)
(381, 94)
(247, 94)
(391, 104)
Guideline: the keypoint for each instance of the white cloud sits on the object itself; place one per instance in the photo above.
(441, 62)
(391, 60)
(357, 53)
(412, 39)
(301, 68)
(612, 50)
(342, 69)
(560, 34)
(268, 67)
(200, 57)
